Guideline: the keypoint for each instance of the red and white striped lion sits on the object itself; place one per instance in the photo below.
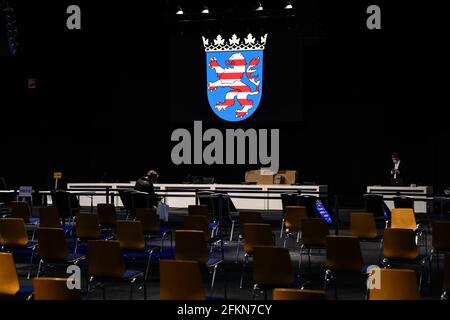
(231, 77)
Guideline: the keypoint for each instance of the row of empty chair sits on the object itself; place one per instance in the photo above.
(400, 243)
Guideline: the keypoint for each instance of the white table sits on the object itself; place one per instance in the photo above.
(188, 190)
(418, 192)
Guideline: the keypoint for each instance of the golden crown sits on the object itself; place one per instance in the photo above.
(234, 43)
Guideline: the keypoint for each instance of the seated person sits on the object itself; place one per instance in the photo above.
(145, 184)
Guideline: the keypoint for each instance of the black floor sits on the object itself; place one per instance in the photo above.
(350, 287)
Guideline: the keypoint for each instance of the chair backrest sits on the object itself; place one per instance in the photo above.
(362, 225)
(61, 199)
(140, 200)
(298, 294)
(9, 281)
(293, 217)
(49, 217)
(248, 217)
(257, 234)
(198, 210)
(314, 232)
(441, 235)
(395, 284)
(54, 289)
(181, 280)
(200, 223)
(52, 244)
(289, 199)
(343, 254)
(105, 259)
(13, 233)
(191, 245)
(107, 214)
(447, 272)
(374, 203)
(130, 235)
(400, 244)
(309, 202)
(149, 220)
(403, 218)
(272, 266)
(222, 201)
(87, 226)
(206, 198)
(125, 197)
(21, 210)
(404, 202)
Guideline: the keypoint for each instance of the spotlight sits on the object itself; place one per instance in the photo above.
(260, 7)
(179, 11)
(288, 5)
(205, 10)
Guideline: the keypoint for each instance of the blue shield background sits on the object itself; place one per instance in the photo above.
(218, 95)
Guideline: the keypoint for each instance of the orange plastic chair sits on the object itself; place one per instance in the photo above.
(298, 294)
(181, 280)
(395, 284)
(362, 225)
(272, 268)
(293, 221)
(54, 289)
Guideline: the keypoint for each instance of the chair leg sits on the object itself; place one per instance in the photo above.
(309, 260)
(131, 288)
(232, 230)
(144, 285)
(380, 251)
(254, 291)
(76, 246)
(212, 281)
(243, 269)
(300, 260)
(282, 227)
(148, 266)
(31, 265)
(90, 279)
(237, 249)
(39, 268)
(34, 232)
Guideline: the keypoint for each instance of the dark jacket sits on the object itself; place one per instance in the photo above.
(400, 179)
(145, 185)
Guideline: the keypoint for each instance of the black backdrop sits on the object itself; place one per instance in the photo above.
(98, 114)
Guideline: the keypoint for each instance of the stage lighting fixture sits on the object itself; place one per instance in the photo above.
(205, 10)
(179, 11)
(288, 5)
(260, 7)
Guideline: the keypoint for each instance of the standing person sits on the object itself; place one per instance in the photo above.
(145, 184)
(397, 173)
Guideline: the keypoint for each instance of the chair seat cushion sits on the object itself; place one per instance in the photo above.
(72, 257)
(213, 261)
(213, 225)
(130, 274)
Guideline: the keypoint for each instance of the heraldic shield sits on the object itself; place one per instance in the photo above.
(234, 73)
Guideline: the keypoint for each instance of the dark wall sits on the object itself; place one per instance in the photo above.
(100, 109)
